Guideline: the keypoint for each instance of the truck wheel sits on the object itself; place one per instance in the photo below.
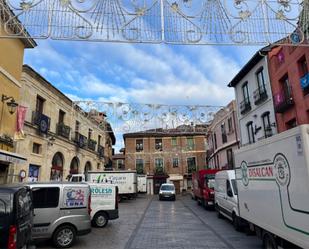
(236, 223)
(64, 236)
(269, 242)
(100, 220)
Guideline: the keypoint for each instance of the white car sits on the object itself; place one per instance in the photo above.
(167, 191)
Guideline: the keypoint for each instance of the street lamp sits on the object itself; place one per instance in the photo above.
(12, 105)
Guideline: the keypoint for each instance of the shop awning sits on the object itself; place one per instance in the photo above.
(11, 157)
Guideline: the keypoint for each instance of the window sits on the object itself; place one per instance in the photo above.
(36, 148)
(230, 124)
(215, 140)
(24, 203)
(139, 166)
(159, 165)
(89, 134)
(234, 185)
(285, 85)
(250, 131)
(61, 117)
(77, 124)
(245, 92)
(158, 144)
(33, 175)
(191, 163)
(230, 159)
(39, 104)
(45, 197)
(175, 162)
(303, 67)
(190, 143)
(266, 124)
(223, 133)
(139, 145)
(261, 81)
(291, 124)
(174, 141)
(229, 189)
(120, 164)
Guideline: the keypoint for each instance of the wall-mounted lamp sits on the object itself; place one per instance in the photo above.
(12, 105)
(51, 140)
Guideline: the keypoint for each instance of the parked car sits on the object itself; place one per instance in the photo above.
(104, 203)
(167, 191)
(16, 216)
(61, 211)
(226, 202)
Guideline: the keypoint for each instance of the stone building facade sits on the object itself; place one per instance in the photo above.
(166, 155)
(223, 138)
(11, 61)
(60, 139)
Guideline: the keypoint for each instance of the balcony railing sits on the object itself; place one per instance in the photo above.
(92, 144)
(100, 151)
(283, 100)
(41, 120)
(260, 95)
(245, 106)
(191, 169)
(63, 130)
(304, 82)
(80, 140)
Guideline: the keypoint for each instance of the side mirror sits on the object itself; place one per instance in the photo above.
(230, 193)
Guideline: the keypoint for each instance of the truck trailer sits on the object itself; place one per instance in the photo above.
(273, 188)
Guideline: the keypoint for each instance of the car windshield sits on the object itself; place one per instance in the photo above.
(167, 187)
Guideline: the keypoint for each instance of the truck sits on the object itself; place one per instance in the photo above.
(273, 188)
(125, 180)
(203, 186)
(141, 183)
(104, 203)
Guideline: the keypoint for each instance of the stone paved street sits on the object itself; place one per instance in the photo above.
(149, 223)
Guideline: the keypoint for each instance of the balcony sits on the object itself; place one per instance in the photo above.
(260, 95)
(80, 140)
(245, 106)
(42, 121)
(92, 144)
(283, 100)
(304, 82)
(63, 130)
(100, 151)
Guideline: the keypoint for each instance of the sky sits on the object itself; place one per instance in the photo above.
(140, 73)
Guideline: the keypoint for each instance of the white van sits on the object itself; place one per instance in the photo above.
(61, 211)
(104, 203)
(226, 202)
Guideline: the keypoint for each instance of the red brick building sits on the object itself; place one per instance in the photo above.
(166, 155)
(289, 77)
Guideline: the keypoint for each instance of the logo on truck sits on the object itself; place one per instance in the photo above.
(244, 173)
(282, 169)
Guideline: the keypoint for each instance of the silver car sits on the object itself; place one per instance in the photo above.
(167, 191)
(61, 212)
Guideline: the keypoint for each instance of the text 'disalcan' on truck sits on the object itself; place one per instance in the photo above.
(273, 188)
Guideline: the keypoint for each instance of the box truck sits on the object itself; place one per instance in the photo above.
(273, 188)
(203, 186)
(126, 181)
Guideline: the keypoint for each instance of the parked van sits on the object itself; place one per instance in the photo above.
(61, 211)
(226, 202)
(104, 203)
(15, 216)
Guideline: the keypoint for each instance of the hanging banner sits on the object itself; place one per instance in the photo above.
(20, 120)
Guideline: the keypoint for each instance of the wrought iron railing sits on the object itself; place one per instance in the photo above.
(63, 130)
(283, 100)
(41, 120)
(260, 95)
(80, 140)
(91, 144)
(100, 151)
(245, 106)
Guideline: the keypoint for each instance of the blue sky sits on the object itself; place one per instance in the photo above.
(140, 73)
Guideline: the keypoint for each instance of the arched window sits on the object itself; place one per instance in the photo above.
(87, 167)
(74, 166)
(56, 173)
(250, 131)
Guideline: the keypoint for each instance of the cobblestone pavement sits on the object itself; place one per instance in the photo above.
(152, 224)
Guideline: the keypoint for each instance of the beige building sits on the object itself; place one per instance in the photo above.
(166, 155)
(59, 138)
(11, 61)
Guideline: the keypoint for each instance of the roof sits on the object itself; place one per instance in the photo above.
(249, 65)
(6, 15)
(184, 130)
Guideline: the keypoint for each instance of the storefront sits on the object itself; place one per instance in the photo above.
(7, 161)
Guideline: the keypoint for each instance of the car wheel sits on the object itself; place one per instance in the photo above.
(236, 223)
(64, 236)
(100, 220)
(269, 242)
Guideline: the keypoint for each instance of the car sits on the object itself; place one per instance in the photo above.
(16, 216)
(61, 211)
(167, 191)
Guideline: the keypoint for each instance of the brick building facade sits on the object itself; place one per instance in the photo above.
(166, 155)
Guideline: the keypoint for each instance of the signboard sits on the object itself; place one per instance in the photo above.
(74, 197)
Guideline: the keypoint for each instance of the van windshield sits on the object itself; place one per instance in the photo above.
(210, 181)
(167, 187)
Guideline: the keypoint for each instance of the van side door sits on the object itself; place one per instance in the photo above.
(229, 198)
(46, 210)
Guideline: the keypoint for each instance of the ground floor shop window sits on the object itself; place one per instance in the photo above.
(34, 171)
